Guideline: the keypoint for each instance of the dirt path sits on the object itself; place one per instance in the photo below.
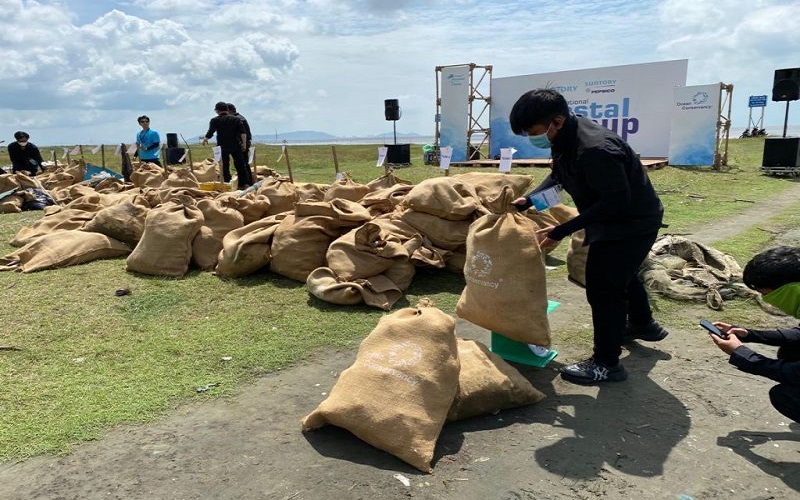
(684, 425)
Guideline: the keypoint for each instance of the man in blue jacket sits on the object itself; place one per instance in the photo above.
(775, 273)
(148, 142)
(620, 213)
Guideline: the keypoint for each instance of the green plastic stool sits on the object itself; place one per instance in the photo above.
(519, 352)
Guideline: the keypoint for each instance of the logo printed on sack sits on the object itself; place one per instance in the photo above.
(405, 354)
(480, 265)
(375, 361)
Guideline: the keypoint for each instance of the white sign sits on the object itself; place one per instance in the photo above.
(251, 154)
(340, 176)
(695, 113)
(632, 100)
(183, 156)
(506, 155)
(381, 156)
(66, 152)
(97, 149)
(118, 151)
(445, 155)
(217, 150)
(455, 110)
(132, 148)
(75, 150)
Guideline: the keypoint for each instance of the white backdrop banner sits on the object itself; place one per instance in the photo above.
(632, 100)
(455, 111)
(695, 113)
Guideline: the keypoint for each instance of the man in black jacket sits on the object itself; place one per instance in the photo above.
(232, 139)
(775, 273)
(620, 212)
(24, 155)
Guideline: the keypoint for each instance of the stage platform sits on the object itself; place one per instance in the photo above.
(648, 163)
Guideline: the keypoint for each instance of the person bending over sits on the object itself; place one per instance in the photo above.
(24, 155)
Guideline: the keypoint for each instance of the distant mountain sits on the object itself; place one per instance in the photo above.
(298, 135)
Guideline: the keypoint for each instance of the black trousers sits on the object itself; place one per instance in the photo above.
(786, 399)
(240, 163)
(615, 292)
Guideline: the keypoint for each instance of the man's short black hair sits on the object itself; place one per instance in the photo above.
(19, 135)
(221, 106)
(536, 107)
(143, 117)
(773, 268)
(231, 107)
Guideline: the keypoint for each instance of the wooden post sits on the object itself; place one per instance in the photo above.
(80, 152)
(253, 166)
(69, 162)
(288, 165)
(335, 161)
(55, 159)
(126, 167)
(164, 159)
(189, 155)
(103, 155)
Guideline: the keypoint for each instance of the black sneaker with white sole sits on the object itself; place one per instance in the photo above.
(590, 371)
(650, 332)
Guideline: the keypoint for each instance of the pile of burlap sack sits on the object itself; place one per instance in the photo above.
(350, 243)
(410, 376)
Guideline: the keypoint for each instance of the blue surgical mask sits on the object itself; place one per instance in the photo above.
(541, 141)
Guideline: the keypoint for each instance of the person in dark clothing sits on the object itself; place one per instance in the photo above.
(232, 139)
(232, 111)
(24, 155)
(620, 213)
(775, 273)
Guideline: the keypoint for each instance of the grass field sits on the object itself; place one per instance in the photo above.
(88, 360)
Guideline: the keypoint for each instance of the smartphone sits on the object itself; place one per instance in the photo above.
(713, 330)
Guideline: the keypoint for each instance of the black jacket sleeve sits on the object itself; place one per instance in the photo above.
(212, 128)
(785, 372)
(777, 337)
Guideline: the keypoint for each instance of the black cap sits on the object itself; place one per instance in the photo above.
(221, 106)
(19, 135)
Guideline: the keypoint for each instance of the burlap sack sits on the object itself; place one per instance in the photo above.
(58, 180)
(397, 393)
(253, 207)
(378, 291)
(489, 184)
(445, 197)
(346, 189)
(385, 200)
(123, 222)
(112, 185)
(53, 220)
(443, 233)
(577, 252)
(147, 175)
(61, 249)
(165, 248)
(219, 220)
(206, 171)
(386, 181)
(280, 192)
(181, 178)
(487, 384)
(301, 240)
(456, 261)
(247, 249)
(11, 204)
(364, 252)
(506, 286)
(309, 191)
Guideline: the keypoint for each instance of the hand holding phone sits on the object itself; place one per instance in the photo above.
(713, 330)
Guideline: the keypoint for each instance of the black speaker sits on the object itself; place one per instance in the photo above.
(174, 155)
(398, 154)
(391, 108)
(786, 86)
(781, 152)
(172, 140)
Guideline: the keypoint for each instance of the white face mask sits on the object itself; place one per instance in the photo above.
(22, 143)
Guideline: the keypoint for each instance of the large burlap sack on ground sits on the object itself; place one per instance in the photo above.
(506, 287)
(397, 393)
(378, 291)
(309, 191)
(301, 240)
(61, 249)
(206, 171)
(123, 221)
(281, 193)
(147, 175)
(165, 248)
(181, 178)
(385, 200)
(445, 197)
(487, 384)
(53, 220)
(489, 184)
(247, 249)
(443, 233)
(578, 252)
(219, 219)
(252, 206)
(12, 203)
(385, 181)
(364, 252)
(346, 189)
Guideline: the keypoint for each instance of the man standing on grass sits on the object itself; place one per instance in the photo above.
(148, 142)
(232, 139)
(620, 212)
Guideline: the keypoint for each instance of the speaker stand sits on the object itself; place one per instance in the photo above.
(786, 119)
(394, 130)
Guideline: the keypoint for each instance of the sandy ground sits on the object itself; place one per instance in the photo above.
(685, 425)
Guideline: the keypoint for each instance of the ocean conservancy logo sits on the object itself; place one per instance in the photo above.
(700, 98)
(400, 356)
(698, 101)
(456, 80)
(405, 354)
(479, 268)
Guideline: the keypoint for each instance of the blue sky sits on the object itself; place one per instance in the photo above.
(81, 71)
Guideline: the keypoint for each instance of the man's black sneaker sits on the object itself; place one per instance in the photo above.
(591, 372)
(650, 332)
